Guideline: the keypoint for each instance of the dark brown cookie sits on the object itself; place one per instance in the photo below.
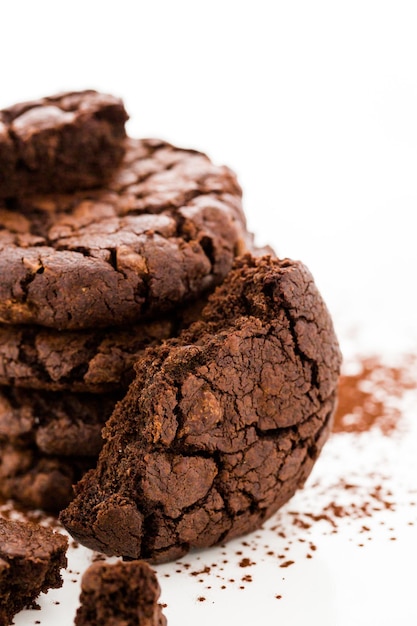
(61, 143)
(57, 423)
(165, 230)
(124, 593)
(221, 425)
(31, 558)
(92, 361)
(39, 481)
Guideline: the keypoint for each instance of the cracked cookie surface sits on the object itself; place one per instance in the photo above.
(81, 361)
(60, 143)
(94, 361)
(221, 425)
(164, 230)
(64, 424)
(31, 558)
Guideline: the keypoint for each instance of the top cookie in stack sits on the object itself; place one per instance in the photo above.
(61, 143)
(107, 245)
(164, 229)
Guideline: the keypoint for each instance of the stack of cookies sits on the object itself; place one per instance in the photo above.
(133, 309)
(108, 245)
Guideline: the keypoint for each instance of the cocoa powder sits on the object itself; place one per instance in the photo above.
(369, 397)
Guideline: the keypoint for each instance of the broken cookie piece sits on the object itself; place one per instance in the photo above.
(221, 425)
(31, 558)
(120, 594)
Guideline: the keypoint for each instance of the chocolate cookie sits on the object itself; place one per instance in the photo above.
(62, 424)
(38, 481)
(221, 425)
(61, 143)
(91, 360)
(31, 557)
(166, 229)
(124, 593)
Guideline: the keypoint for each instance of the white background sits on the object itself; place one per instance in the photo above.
(312, 103)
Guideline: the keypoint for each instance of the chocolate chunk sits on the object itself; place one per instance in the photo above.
(220, 426)
(124, 593)
(57, 423)
(61, 143)
(39, 481)
(31, 558)
(165, 230)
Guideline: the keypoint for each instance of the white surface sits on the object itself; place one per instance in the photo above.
(314, 105)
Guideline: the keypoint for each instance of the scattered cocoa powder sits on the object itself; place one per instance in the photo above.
(367, 397)
(246, 563)
(205, 570)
